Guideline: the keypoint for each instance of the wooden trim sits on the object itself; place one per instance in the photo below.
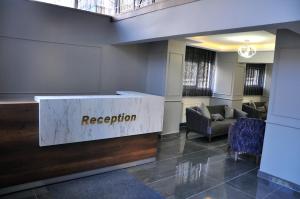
(23, 161)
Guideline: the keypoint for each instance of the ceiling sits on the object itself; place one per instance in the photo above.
(262, 40)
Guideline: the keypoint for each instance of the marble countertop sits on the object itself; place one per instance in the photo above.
(69, 119)
(120, 94)
(17, 101)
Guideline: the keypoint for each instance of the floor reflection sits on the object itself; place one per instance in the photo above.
(199, 169)
(188, 172)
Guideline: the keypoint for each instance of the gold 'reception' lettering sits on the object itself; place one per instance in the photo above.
(87, 120)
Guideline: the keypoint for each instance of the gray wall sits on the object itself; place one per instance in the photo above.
(268, 80)
(164, 77)
(156, 68)
(39, 21)
(281, 143)
(207, 16)
(124, 68)
(50, 49)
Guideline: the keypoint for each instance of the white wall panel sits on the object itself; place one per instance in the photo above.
(174, 76)
(281, 144)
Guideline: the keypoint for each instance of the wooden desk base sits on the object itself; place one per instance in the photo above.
(23, 161)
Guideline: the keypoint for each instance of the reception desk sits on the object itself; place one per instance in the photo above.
(56, 138)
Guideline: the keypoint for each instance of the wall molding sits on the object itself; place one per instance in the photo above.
(279, 181)
(50, 42)
(283, 125)
(231, 98)
(274, 117)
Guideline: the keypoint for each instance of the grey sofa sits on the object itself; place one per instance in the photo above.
(197, 122)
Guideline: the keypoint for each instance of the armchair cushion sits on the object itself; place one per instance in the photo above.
(261, 109)
(239, 114)
(217, 117)
(229, 112)
(221, 127)
(216, 109)
(205, 112)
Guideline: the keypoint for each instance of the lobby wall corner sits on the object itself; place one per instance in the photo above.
(281, 144)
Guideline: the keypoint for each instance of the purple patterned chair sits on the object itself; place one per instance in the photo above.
(247, 136)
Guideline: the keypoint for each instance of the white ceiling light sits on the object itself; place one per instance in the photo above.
(249, 38)
(247, 51)
(262, 40)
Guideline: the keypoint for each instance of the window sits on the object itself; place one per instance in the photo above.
(65, 3)
(124, 6)
(254, 81)
(107, 7)
(198, 73)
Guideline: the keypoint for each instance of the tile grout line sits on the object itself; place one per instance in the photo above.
(35, 195)
(240, 175)
(276, 189)
(160, 180)
(221, 183)
(241, 191)
(272, 192)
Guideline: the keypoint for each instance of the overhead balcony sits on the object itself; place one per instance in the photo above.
(118, 9)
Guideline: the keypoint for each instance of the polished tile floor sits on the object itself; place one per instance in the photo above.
(195, 169)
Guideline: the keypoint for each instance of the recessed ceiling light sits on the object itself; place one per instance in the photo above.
(249, 38)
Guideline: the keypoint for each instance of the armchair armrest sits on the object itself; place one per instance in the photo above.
(239, 114)
(195, 121)
(204, 124)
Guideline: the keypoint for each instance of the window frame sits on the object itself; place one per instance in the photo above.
(254, 79)
(204, 63)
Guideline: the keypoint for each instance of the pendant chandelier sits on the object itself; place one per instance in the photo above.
(247, 51)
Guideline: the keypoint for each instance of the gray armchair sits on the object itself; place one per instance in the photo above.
(255, 112)
(197, 122)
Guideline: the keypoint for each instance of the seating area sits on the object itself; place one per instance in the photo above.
(245, 134)
(211, 121)
(149, 99)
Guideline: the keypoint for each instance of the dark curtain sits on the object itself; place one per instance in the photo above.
(198, 73)
(254, 81)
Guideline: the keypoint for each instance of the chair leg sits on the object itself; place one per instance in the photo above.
(228, 148)
(236, 156)
(186, 134)
(257, 159)
(209, 138)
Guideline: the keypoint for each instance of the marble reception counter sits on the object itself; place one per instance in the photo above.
(58, 138)
(68, 119)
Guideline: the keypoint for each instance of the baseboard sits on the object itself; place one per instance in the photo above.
(49, 181)
(169, 135)
(183, 124)
(279, 181)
